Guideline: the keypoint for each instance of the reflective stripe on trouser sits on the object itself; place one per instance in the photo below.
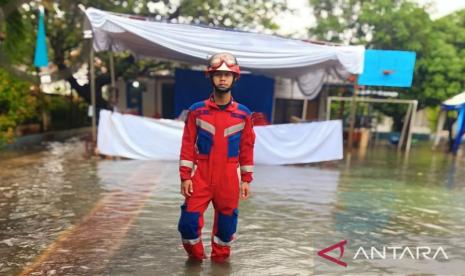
(222, 243)
(188, 226)
(224, 232)
(226, 228)
(192, 241)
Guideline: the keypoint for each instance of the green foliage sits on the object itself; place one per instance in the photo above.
(18, 40)
(432, 114)
(401, 25)
(67, 113)
(336, 20)
(250, 15)
(443, 66)
(63, 22)
(16, 105)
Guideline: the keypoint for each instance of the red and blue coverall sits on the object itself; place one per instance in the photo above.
(215, 144)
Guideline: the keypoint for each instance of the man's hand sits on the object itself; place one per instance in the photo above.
(245, 190)
(186, 188)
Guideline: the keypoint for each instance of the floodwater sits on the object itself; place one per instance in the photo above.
(62, 213)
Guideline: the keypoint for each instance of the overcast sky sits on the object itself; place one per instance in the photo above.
(302, 18)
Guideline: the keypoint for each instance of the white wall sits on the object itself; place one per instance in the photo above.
(149, 98)
(286, 89)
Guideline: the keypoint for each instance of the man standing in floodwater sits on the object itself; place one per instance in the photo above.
(218, 138)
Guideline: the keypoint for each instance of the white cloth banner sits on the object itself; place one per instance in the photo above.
(298, 143)
(269, 55)
(144, 138)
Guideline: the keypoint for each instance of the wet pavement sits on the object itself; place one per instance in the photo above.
(62, 213)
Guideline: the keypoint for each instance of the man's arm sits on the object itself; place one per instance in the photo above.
(246, 151)
(188, 152)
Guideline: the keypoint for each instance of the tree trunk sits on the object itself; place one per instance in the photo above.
(84, 90)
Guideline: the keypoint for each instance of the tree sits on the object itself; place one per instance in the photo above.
(443, 66)
(68, 51)
(400, 25)
(17, 105)
(15, 39)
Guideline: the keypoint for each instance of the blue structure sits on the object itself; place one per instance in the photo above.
(255, 92)
(388, 68)
(41, 56)
(457, 103)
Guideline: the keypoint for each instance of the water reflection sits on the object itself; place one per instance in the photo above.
(418, 202)
(62, 213)
(39, 199)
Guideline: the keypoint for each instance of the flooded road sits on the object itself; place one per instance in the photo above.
(64, 214)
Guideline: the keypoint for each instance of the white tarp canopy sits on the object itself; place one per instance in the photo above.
(144, 138)
(306, 62)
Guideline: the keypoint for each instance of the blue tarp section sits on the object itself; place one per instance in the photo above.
(460, 129)
(255, 92)
(41, 56)
(457, 103)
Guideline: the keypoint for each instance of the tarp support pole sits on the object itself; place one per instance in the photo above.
(92, 94)
(112, 70)
(273, 105)
(410, 129)
(304, 110)
(328, 108)
(407, 117)
(353, 109)
(440, 125)
(113, 99)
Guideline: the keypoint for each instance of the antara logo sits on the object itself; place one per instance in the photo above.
(340, 245)
(385, 252)
(399, 253)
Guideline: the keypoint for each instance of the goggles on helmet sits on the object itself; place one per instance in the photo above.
(223, 62)
(217, 59)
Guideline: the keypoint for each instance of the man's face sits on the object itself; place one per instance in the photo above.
(223, 79)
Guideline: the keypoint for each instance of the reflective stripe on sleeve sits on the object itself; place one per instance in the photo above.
(246, 168)
(186, 163)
